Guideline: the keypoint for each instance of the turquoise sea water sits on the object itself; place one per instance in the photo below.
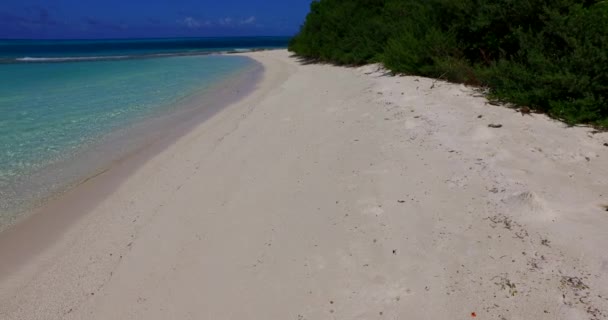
(51, 112)
(82, 50)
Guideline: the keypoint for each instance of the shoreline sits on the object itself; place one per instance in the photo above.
(48, 216)
(337, 192)
(119, 145)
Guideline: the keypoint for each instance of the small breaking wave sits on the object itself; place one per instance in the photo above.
(104, 58)
(66, 59)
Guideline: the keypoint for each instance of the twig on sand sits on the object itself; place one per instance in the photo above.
(435, 81)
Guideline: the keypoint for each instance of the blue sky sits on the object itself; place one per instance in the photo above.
(79, 19)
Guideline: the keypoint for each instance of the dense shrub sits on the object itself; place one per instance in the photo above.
(549, 55)
(328, 32)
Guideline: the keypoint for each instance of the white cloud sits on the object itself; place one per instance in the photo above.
(226, 21)
(191, 23)
(232, 22)
(229, 22)
(249, 20)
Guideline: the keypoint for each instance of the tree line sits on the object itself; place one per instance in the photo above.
(548, 55)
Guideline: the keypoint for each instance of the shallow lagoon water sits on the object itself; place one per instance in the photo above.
(52, 113)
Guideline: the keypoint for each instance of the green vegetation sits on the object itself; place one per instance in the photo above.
(549, 55)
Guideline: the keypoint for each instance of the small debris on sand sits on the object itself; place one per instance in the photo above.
(505, 284)
(495, 125)
(574, 282)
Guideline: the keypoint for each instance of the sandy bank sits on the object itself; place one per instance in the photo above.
(334, 193)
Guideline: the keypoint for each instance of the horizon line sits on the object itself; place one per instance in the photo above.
(143, 38)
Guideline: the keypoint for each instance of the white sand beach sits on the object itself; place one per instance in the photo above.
(330, 193)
